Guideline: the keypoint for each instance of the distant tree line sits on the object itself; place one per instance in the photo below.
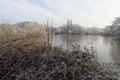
(113, 29)
(76, 29)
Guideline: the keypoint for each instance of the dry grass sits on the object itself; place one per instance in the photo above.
(22, 37)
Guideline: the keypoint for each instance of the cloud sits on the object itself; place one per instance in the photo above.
(24, 11)
(85, 12)
(97, 13)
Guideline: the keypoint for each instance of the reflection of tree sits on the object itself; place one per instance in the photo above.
(114, 48)
(67, 40)
(115, 54)
(115, 51)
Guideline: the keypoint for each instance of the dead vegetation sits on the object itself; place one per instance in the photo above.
(51, 63)
(22, 37)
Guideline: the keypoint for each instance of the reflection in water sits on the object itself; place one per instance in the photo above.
(107, 49)
(115, 52)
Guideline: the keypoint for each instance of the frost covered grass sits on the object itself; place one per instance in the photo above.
(22, 37)
(51, 63)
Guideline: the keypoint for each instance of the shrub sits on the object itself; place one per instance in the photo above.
(52, 63)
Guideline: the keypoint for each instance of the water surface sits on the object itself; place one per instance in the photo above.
(106, 48)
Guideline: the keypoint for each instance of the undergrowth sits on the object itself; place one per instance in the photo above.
(51, 63)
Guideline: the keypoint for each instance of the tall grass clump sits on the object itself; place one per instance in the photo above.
(22, 36)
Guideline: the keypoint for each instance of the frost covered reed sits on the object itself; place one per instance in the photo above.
(17, 36)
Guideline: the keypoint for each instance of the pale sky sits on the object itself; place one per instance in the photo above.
(89, 13)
